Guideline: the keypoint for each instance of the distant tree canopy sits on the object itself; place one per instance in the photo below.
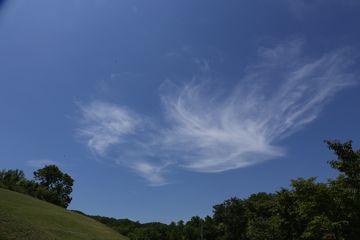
(50, 184)
(11, 178)
(309, 210)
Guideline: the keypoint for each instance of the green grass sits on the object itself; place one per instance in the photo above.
(24, 217)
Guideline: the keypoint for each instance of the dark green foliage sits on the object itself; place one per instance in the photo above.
(150, 231)
(174, 231)
(55, 185)
(346, 187)
(263, 217)
(348, 162)
(51, 184)
(135, 230)
(308, 210)
(11, 178)
(123, 226)
(231, 217)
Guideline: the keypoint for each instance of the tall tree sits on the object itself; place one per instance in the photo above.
(346, 187)
(56, 185)
(263, 217)
(231, 218)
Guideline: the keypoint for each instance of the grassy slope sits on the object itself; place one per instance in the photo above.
(24, 217)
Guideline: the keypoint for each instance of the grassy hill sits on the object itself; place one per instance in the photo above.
(24, 217)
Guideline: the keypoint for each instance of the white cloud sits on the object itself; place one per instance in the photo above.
(208, 130)
(105, 125)
(271, 102)
(152, 173)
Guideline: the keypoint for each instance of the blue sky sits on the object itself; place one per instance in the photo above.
(161, 109)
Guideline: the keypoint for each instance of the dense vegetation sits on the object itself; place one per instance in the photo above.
(50, 184)
(26, 218)
(308, 210)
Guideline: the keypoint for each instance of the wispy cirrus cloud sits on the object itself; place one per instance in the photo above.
(153, 173)
(275, 99)
(105, 125)
(208, 130)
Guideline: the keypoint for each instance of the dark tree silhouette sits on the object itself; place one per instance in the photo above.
(56, 184)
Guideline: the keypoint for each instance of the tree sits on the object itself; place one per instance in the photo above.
(346, 187)
(348, 162)
(308, 210)
(193, 228)
(263, 217)
(54, 185)
(11, 178)
(230, 218)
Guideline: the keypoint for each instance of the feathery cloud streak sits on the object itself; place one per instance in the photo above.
(105, 124)
(208, 131)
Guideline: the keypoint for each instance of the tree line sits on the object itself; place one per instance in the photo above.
(308, 210)
(49, 184)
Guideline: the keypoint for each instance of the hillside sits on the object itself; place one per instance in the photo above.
(24, 217)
